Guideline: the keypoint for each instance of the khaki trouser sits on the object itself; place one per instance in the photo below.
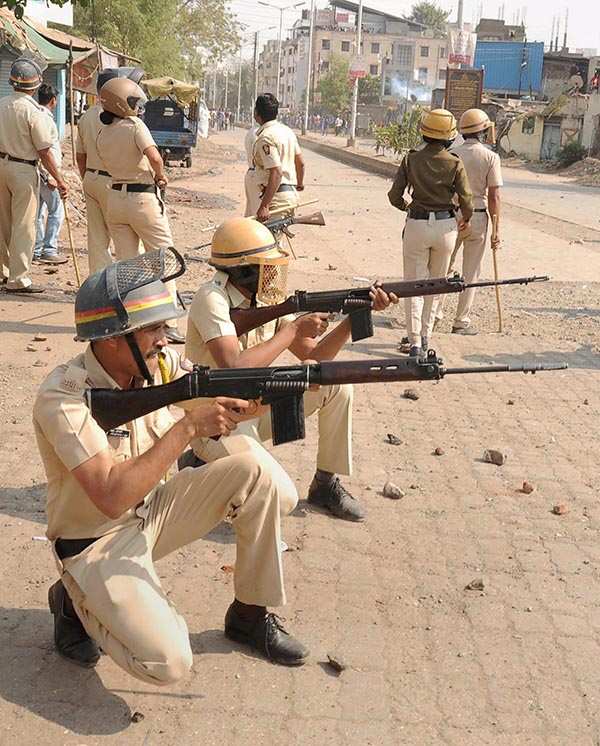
(116, 590)
(95, 190)
(135, 217)
(473, 250)
(334, 407)
(427, 248)
(19, 195)
(254, 192)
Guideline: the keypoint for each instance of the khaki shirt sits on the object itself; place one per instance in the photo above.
(88, 129)
(434, 175)
(483, 169)
(276, 146)
(209, 319)
(24, 127)
(68, 436)
(121, 147)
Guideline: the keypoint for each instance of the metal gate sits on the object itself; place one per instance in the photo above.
(550, 141)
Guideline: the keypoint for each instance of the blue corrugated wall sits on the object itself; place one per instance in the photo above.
(502, 62)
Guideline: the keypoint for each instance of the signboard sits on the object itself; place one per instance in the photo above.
(461, 47)
(463, 90)
(358, 67)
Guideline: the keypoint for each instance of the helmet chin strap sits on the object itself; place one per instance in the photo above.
(139, 358)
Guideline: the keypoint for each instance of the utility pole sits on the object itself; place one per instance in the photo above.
(311, 30)
(255, 66)
(352, 137)
(239, 100)
(281, 10)
(214, 88)
(459, 18)
(226, 88)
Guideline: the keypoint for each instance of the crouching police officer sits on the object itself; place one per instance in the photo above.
(136, 211)
(251, 270)
(433, 176)
(112, 515)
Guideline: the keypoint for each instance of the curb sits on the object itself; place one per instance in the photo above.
(351, 158)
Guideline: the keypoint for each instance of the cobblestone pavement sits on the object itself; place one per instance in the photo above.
(428, 662)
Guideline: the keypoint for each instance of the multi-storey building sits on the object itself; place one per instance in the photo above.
(402, 53)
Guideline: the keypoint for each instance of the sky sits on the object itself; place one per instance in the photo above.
(584, 16)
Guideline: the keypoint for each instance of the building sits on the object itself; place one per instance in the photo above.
(558, 69)
(511, 68)
(407, 58)
(492, 29)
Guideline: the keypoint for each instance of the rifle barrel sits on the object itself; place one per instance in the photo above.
(507, 368)
(511, 281)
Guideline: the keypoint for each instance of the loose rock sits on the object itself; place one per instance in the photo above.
(229, 569)
(510, 401)
(394, 440)
(392, 491)
(336, 663)
(527, 488)
(137, 717)
(475, 585)
(39, 338)
(491, 456)
(411, 394)
(561, 509)
(31, 348)
(585, 401)
(439, 451)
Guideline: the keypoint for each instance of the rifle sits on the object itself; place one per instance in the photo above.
(281, 225)
(282, 387)
(356, 302)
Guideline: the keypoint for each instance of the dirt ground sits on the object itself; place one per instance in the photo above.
(428, 661)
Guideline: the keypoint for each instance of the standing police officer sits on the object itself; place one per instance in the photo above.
(277, 171)
(434, 176)
(25, 137)
(96, 180)
(136, 211)
(485, 178)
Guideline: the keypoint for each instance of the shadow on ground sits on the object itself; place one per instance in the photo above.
(34, 678)
(583, 358)
(24, 502)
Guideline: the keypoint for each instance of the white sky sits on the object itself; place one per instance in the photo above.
(584, 16)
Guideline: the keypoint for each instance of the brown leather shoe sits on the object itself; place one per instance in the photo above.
(70, 638)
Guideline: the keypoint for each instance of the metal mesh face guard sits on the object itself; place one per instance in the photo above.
(272, 283)
(127, 275)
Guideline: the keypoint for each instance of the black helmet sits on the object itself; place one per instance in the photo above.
(25, 74)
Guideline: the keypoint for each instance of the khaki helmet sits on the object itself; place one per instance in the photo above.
(122, 97)
(439, 124)
(249, 253)
(474, 121)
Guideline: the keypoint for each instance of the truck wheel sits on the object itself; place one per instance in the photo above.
(188, 161)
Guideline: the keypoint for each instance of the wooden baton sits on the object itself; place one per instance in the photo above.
(494, 237)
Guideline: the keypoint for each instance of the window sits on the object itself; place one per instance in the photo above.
(424, 51)
(422, 75)
(345, 46)
(325, 44)
(324, 65)
(373, 69)
(268, 65)
(528, 126)
(375, 48)
(403, 54)
(442, 74)
(442, 53)
(290, 69)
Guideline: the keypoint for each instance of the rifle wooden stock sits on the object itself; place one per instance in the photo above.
(356, 301)
(281, 387)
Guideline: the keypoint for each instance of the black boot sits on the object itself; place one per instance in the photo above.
(264, 632)
(332, 496)
(70, 637)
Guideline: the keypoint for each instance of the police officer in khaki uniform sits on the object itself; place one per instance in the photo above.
(433, 176)
(96, 180)
(112, 515)
(136, 211)
(26, 136)
(252, 270)
(485, 178)
(277, 171)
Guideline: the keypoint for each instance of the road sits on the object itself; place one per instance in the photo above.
(428, 662)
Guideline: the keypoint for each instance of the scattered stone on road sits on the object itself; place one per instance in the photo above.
(439, 451)
(31, 348)
(137, 717)
(39, 338)
(392, 491)
(411, 394)
(336, 663)
(491, 456)
(510, 401)
(475, 585)
(394, 440)
(527, 488)
(561, 509)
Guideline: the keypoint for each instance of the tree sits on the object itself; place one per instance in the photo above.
(335, 87)
(431, 15)
(369, 89)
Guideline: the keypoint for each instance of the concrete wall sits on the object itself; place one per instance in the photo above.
(591, 121)
(525, 145)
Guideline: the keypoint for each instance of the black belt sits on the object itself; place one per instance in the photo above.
(70, 547)
(18, 160)
(286, 188)
(98, 171)
(135, 187)
(480, 209)
(424, 214)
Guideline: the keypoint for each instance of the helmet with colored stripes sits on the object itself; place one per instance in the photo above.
(25, 74)
(129, 295)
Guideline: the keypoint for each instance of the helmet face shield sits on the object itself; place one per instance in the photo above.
(272, 283)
